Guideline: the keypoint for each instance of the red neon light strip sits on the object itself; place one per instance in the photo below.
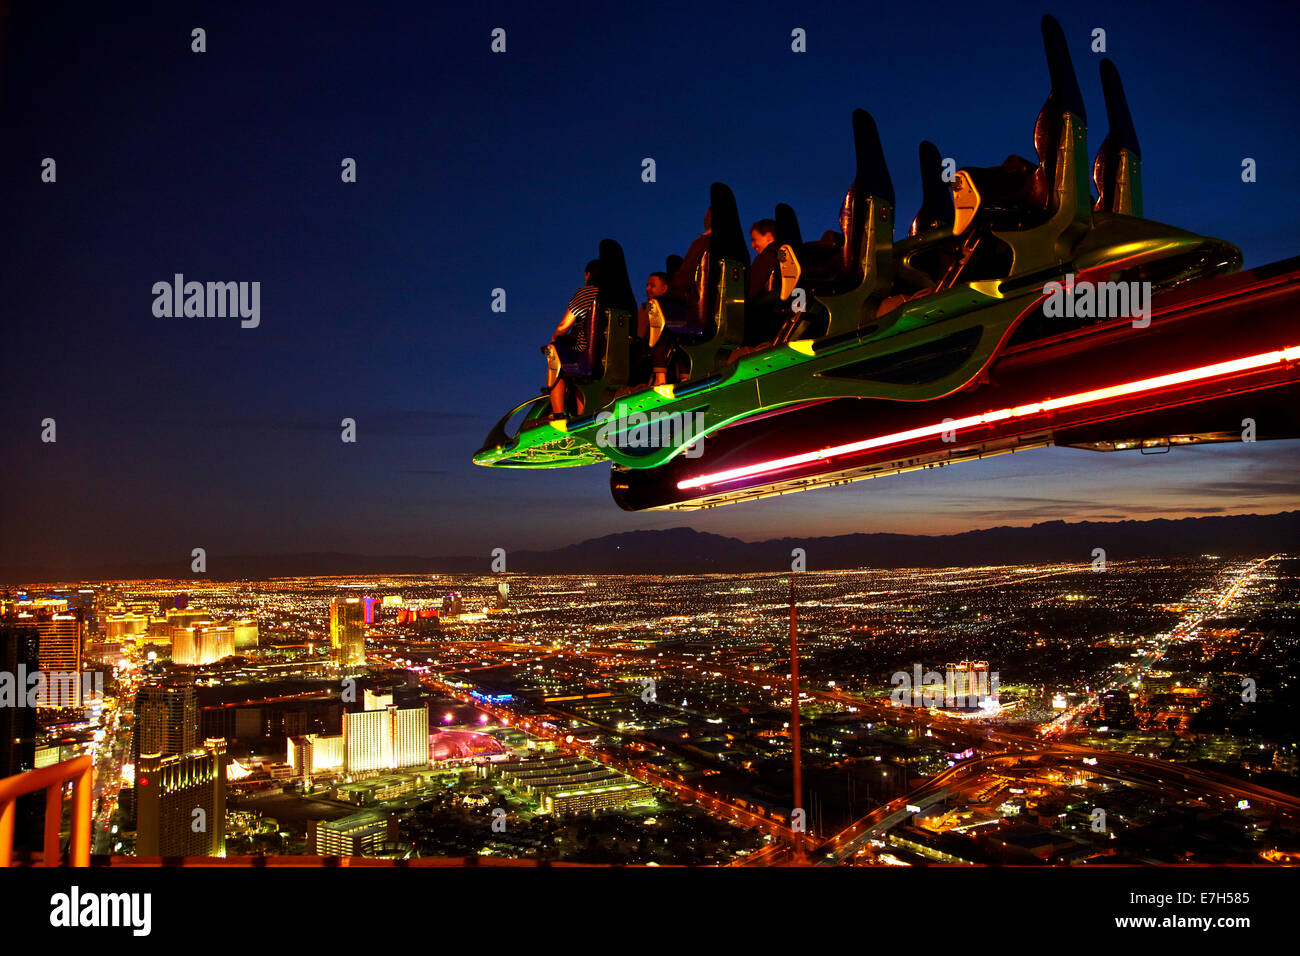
(1249, 363)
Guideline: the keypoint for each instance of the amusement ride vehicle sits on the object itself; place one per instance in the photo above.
(1018, 312)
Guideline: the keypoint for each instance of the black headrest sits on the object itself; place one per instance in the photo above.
(727, 241)
(1065, 96)
(615, 288)
(787, 226)
(936, 195)
(1121, 134)
(872, 177)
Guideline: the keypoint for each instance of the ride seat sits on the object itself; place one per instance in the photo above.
(1036, 213)
(787, 226)
(936, 212)
(838, 263)
(1117, 170)
(717, 324)
(924, 257)
(608, 326)
(690, 320)
(1021, 194)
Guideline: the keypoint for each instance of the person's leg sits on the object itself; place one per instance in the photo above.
(552, 364)
(655, 320)
(659, 360)
(557, 397)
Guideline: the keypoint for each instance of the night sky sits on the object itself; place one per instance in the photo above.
(478, 170)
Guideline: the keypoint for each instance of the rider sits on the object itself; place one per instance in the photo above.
(682, 296)
(763, 292)
(570, 340)
(656, 284)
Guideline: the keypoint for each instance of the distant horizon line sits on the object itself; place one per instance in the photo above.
(158, 570)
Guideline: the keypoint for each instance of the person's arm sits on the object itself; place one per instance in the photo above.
(566, 323)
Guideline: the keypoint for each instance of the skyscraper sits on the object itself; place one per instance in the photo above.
(166, 719)
(348, 631)
(385, 737)
(60, 654)
(503, 595)
(19, 652)
(181, 802)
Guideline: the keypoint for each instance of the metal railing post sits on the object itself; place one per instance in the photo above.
(53, 820)
(82, 788)
(80, 772)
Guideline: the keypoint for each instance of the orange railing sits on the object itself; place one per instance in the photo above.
(51, 779)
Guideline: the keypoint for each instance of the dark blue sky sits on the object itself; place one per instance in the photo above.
(478, 171)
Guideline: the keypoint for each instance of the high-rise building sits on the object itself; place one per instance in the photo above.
(166, 719)
(970, 685)
(20, 652)
(452, 605)
(1117, 709)
(119, 624)
(348, 631)
(314, 753)
(181, 802)
(203, 644)
(503, 595)
(186, 616)
(60, 656)
(385, 737)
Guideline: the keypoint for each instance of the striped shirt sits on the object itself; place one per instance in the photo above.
(581, 305)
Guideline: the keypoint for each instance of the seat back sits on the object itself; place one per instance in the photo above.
(1117, 170)
(787, 227)
(867, 221)
(936, 212)
(721, 279)
(922, 258)
(1064, 104)
(1058, 190)
(869, 201)
(617, 312)
(608, 324)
